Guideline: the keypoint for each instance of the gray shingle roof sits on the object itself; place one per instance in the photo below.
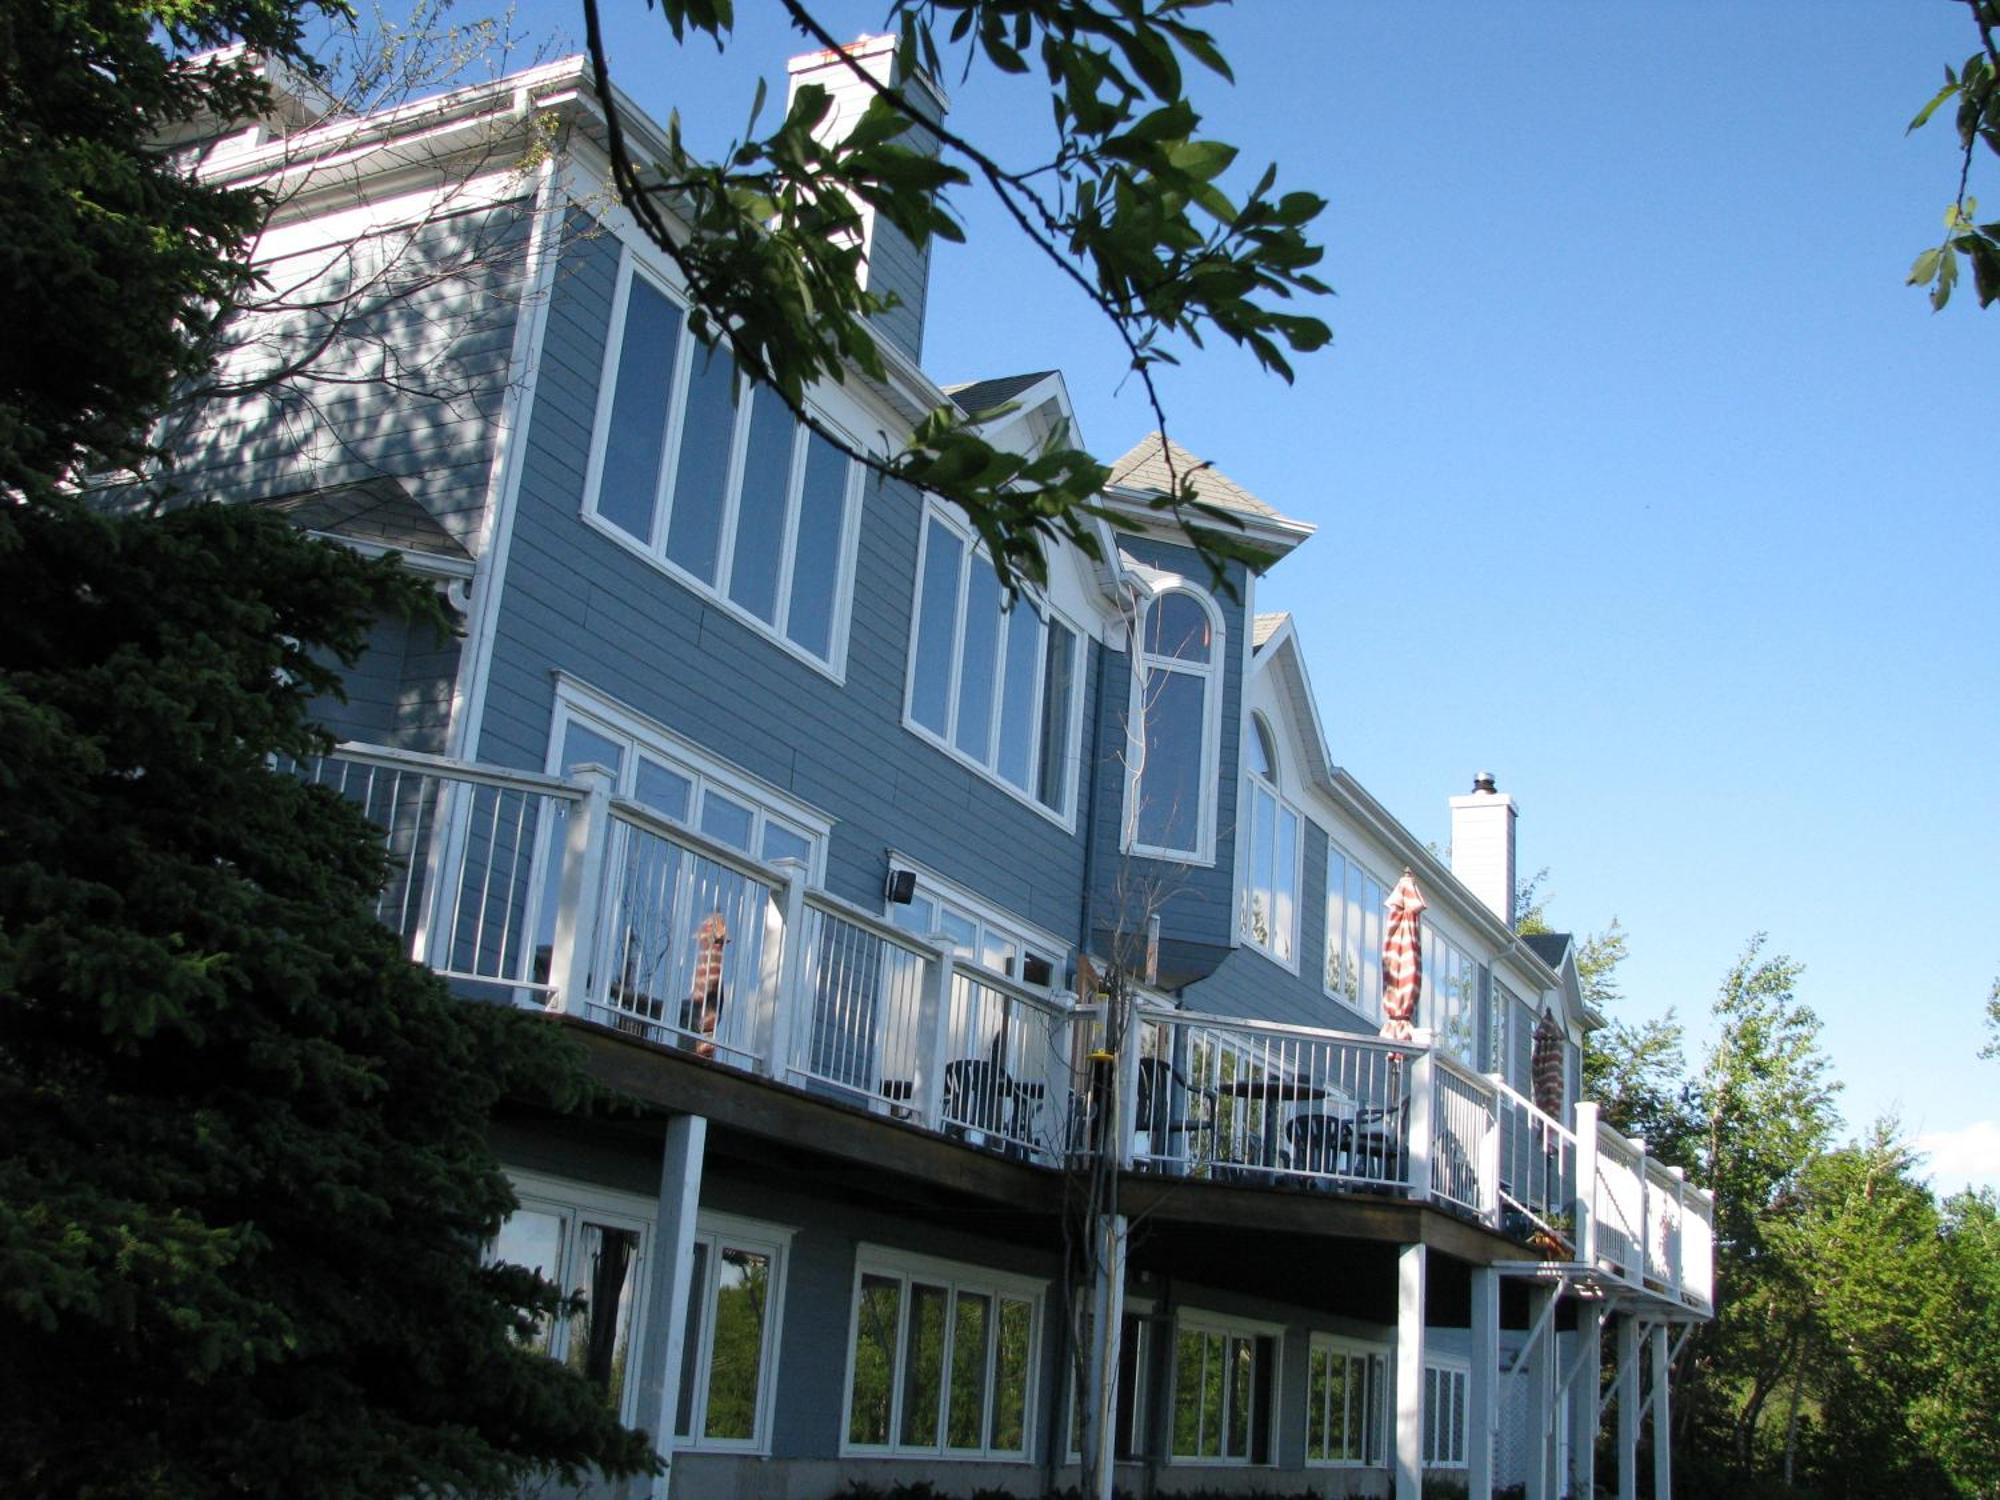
(1264, 627)
(370, 510)
(976, 396)
(1549, 947)
(1145, 468)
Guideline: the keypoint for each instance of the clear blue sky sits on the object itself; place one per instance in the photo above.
(1640, 477)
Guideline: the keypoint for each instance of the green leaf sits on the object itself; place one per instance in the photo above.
(1924, 269)
(1202, 159)
(1923, 115)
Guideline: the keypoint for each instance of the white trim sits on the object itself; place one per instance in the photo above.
(651, 548)
(1459, 1372)
(1215, 675)
(718, 1230)
(1046, 611)
(955, 1277)
(1348, 1346)
(1358, 1006)
(503, 493)
(1247, 792)
(1036, 939)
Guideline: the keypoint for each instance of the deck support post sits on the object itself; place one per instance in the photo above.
(1663, 1447)
(1628, 1406)
(1107, 1329)
(1586, 1376)
(1411, 1268)
(1540, 1376)
(668, 1282)
(1482, 1422)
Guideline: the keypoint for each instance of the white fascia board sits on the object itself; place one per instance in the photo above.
(1280, 534)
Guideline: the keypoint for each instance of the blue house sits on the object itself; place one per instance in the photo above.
(1002, 986)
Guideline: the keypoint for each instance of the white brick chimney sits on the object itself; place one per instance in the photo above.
(891, 265)
(1482, 845)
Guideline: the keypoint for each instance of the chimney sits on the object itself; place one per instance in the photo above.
(1482, 845)
(890, 264)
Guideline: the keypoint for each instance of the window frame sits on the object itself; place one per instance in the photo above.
(1135, 1401)
(1377, 1361)
(1256, 786)
(988, 921)
(1440, 1375)
(1214, 676)
(575, 1202)
(1367, 1001)
(653, 548)
(1205, 1323)
(1045, 611)
(955, 1277)
(719, 1231)
(1437, 949)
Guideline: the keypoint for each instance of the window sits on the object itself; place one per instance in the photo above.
(1451, 995)
(975, 932)
(1444, 1415)
(1346, 1385)
(591, 1246)
(1270, 917)
(1134, 1387)
(729, 1360)
(1354, 906)
(1177, 688)
(994, 684)
(1225, 1376)
(941, 1360)
(714, 478)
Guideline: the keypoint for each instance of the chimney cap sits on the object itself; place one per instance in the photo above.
(1483, 782)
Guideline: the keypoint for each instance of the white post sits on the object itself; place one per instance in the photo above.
(1106, 1335)
(581, 890)
(1583, 1218)
(788, 1000)
(1121, 1032)
(1645, 1245)
(1663, 1444)
(933, 1038)
(1482, 1421)
(1411, 1266)
(1489, 1156)
(1588, 1376)
(1676, 1246)
(1628, 1407)
(1423, 1089)
(1540, 1375)
(673, 1269)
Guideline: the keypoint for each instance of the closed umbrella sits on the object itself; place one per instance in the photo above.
(1547, 1066)
(1402, 960)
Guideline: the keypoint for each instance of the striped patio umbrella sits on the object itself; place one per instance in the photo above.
(1402, 960)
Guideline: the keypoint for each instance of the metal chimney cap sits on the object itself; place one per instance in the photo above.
(1483, 782)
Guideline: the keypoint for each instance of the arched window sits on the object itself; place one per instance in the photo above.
(1177, 690)
(1270, 906)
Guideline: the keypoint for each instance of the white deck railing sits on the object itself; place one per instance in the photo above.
(558, 894)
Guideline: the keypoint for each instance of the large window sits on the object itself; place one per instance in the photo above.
(1451, 995)
(1354, 908)
(729, 1360)
(1346, 1386)
(713, 477)
(1135, 1401)
(1270, 917)
(941, 1360)
(994, 684)
(1225, 1389)
(1445, 1389)
(1176, 698)
(976, 932)
(591, 1246)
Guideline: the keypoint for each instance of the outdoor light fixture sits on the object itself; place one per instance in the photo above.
(901, 886)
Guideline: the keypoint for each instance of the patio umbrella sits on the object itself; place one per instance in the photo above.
(1546, 1066)
(1402, 959)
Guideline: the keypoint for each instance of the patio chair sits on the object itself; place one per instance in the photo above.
(1320, 1144)
(1380, 1137)
(1161, 1129)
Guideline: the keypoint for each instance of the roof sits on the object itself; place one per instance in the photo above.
(1549, 947)
(1264, 627)
(975, 396)
(1146, 468)
(377, 511)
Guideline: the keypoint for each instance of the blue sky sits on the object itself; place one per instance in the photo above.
(1641, 479)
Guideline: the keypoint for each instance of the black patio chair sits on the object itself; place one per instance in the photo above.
(1164, 1095)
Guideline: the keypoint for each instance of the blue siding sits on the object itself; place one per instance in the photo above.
(399, 693)
(577, 602)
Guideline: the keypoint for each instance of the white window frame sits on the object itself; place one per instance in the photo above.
(727, 1231)
(654, 549)
(954, 1277)
(1286, 956)
(1215, 678)
(1440, 1376)
(576, 701)
(990, 922)
(1045, 610)
(1365, 1005)
(1201, 1321)
(1137, 1400)
(1377, 1356)
(1436, 948)
(574, 1202)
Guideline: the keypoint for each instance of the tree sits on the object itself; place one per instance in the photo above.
(1128, 207)
(1992, 1047)
(246, 1176)
(1976, 87)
